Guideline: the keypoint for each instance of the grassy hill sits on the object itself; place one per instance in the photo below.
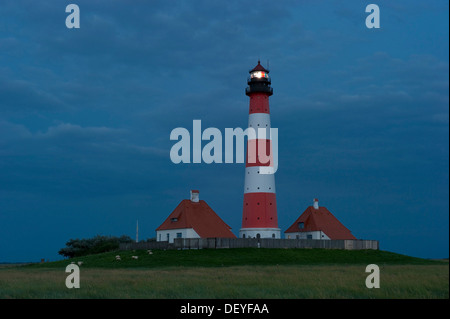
(231, 273)
(239, 257)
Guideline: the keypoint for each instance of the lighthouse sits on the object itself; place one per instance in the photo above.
(259, 218)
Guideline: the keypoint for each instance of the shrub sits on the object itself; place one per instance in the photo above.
(87, 246)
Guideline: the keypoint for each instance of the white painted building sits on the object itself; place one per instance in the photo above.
(170, 234)
(307, 235)
(193, 218)
(317, 223)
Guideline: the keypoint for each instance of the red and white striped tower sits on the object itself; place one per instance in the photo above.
(259, 218)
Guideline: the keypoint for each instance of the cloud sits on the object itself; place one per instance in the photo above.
(10, 131)
(26, 96)
(86, 146)
(76, 132)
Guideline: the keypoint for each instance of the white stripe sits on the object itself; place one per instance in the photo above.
(257, 121)
(255, 182)
(263, 232)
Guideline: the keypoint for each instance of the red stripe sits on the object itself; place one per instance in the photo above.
(259, 103)
(260, 211)
(259, 153)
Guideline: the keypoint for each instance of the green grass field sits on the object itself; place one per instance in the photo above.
(232, 273)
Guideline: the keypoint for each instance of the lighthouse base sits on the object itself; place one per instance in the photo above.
(259, 233)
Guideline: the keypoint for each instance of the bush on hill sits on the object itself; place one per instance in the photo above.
(87, 246)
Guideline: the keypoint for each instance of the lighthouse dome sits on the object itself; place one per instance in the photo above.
(259, 67)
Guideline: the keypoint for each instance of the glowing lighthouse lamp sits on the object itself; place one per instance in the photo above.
(259, 218)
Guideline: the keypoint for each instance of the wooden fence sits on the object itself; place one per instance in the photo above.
(218, 243)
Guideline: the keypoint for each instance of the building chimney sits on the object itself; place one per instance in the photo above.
(316, 203)
(194, 196)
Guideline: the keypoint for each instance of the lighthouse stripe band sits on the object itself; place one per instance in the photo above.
(259, 103)
(257, 121)
(255, 182)
(260, 210)
(262, 232)
(259, 153)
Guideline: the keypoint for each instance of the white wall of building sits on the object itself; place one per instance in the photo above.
(161, 235)
(307, 235)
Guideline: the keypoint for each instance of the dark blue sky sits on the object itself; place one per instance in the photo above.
(86, 114)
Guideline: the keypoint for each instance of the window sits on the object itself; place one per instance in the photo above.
(301, 225)
(168, 236)
(174, 219)
(273, 235)
(309, 236)
(259, 75)
(179, 235)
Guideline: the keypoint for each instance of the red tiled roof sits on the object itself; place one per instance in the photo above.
(321, 219)
(200, 217)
